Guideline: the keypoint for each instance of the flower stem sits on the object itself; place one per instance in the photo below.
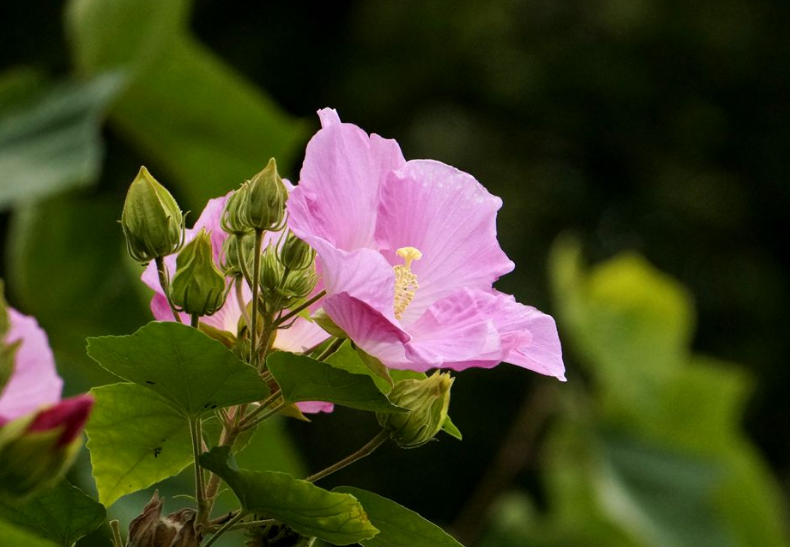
(331, 349)
(163, 282)
(366, 450)
(195, 322)
(254, 283)
(197, 441)
(299, 308)
(225, 527)
(263, 406)
(267, 415)
(240, 299)
(115, 526)
(254, 523)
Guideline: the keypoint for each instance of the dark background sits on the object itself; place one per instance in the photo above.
(658, 126)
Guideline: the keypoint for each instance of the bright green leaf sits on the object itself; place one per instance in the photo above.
(357, 362)
(182, 364)
(398, 526)
(308, 509)
(16, 535)
(62, 514)
(304, 379)
(136, 439)
(53, 143)
(187, 110)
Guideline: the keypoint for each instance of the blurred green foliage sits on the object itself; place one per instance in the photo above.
(650, 125)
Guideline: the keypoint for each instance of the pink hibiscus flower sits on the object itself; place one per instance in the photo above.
(33, 393)
(409, 255)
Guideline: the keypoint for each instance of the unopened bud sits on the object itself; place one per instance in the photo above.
(295, 254)
(233, 216)
(7, 351)
(266, 200)
(36, 450)
(428, 401)
(149, 529)
(286, 286)
(151, 220)
(272, 272)
(198, 287)
(231, 264)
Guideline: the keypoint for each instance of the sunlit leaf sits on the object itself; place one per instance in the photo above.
(193, 371)
(136, 438)
(398, 526)
(62, 514)
(308, 509)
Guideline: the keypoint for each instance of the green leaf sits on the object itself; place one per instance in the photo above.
(308, 509)
(187, 110)
(62, 514)
(135, 438)
(53, 143)
(355, 361)
(398, 526)
(304, 379)
(182, 364)
(15, 535)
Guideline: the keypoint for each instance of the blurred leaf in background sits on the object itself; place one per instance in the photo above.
(653, 454)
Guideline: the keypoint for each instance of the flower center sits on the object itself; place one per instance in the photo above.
(405, 280)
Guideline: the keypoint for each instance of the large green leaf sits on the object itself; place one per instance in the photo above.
(398, 526)
(194, 372)
(54, 143)
(16, 535)
(351, 360)
(62, 514)
(187, 110)
(136, 438)
(308, 509)
(304, 379)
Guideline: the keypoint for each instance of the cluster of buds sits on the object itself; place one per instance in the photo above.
(288, 271)
(427, 401)
(258, 205)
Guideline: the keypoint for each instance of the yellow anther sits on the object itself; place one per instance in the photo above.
(408, 254)
(405, 280)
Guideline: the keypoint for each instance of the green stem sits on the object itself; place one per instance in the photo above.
(240, 299)
(254, 523)
(254, 283)
(163, 282)
(263, 406)
(225, 527)
(115, 526)
(266, 416)
(195, 322)
(301, 307)
(331, 349)
(197, 441)
(366, 450)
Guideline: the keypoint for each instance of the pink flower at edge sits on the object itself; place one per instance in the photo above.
(34, 389)
(358, 202)
(299, 337)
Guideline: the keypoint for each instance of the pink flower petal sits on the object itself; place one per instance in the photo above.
(451, 219)
(314, 407)
(35, 381)
(367, 327)
(300, 337)
(345, 167)
(70, 414)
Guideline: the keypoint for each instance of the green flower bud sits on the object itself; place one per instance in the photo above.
(295, 254)
(272, 272)
(266, 200)
(281, 285)
(230, 264)
(5, 323)
(299, 284)
(151, 220)
(233, 216)
(428, 401)
(37, 449)
(198, 287)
